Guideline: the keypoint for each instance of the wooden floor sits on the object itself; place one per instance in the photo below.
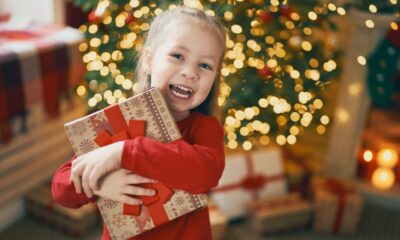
(377, 222)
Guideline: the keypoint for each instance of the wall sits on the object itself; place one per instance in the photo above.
(45, 11)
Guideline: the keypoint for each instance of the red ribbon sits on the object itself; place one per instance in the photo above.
(122, 131)
(340, 189)
(252, 182)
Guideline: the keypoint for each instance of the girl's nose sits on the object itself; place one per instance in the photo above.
(190, 71)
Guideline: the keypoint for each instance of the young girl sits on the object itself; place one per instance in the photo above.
(182, 56)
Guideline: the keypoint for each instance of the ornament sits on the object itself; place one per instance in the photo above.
(265, 72)
(94, 18)
(286, 11)
(129, 18)
(265, 16)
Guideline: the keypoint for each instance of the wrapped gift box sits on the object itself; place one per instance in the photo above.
(147, 114)
(75, 222)
(277, 214)
(218, 221)
(338, 206)
(248, 176)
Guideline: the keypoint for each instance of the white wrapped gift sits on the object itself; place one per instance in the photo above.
(248, 176)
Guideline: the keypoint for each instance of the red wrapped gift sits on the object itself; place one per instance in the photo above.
(147, 114)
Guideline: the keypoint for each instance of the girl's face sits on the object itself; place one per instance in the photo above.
(184, 66)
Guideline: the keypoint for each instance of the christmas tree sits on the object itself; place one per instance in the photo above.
(281, 56)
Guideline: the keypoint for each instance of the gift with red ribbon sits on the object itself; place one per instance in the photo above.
(145, 114)
(338, 206)
(248, 176)
(123, 131)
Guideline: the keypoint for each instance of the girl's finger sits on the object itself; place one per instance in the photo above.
(76, 173)
(77, 183)
(136, 179)
(94, 177)
(139, 191)
(130, 200)
(85, 181)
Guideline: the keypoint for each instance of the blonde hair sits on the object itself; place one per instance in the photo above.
(154, 39)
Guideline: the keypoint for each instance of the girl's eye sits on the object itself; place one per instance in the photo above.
(205, 66)
(177, 56)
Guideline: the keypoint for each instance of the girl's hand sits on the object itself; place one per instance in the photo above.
(118, 186)
(87, 169)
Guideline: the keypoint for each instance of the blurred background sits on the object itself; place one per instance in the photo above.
(309, 101)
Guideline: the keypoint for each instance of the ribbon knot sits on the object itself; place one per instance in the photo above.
(123, 131)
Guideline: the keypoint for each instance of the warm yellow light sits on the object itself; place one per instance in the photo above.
(81, 90)
(264, 140)
(263, 102)
(318, 103)
(281, 140)
(230, 121)
(394, 26)
(394, 2)
(372, 8)
(306, 45)
(249, 113)
(361, 60)
(342, 115)
(291, 139)
(325, 120)
(294, 116)
(368, 155)
(240, 115)
(307, 31)
(247, 145)
(228, 16)
(355, 89)
(295, 74)
(294, 130)
(236, 29)
(369, 23)
(332, 7)
(321, 129)
(312, 16)
(92, 102)
(134, 3)
(232, 144)
(341, 11)
(387, 157)
(244, 131)
(383, 178)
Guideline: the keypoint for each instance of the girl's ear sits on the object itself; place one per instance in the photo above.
(146, 61)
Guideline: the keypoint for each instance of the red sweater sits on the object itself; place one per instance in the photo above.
(194, 164)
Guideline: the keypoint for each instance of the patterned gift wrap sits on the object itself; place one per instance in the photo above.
(74, 222)
(147, 114)
(218, 221)
(277, 214)
(338, 206)
(248, 176)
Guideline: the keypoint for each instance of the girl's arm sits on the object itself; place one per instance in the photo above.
(117, 185)
(63, 189)
(195, 167)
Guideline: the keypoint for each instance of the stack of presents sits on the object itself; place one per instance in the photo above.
(254, 186)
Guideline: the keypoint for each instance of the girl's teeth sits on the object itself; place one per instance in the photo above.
(181, 91)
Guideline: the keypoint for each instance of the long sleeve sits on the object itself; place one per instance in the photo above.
(64, 191)
(194, 163)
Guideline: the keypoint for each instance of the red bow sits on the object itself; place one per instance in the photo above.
(122, 131)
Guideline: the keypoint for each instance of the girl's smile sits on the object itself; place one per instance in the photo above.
(184, 66)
